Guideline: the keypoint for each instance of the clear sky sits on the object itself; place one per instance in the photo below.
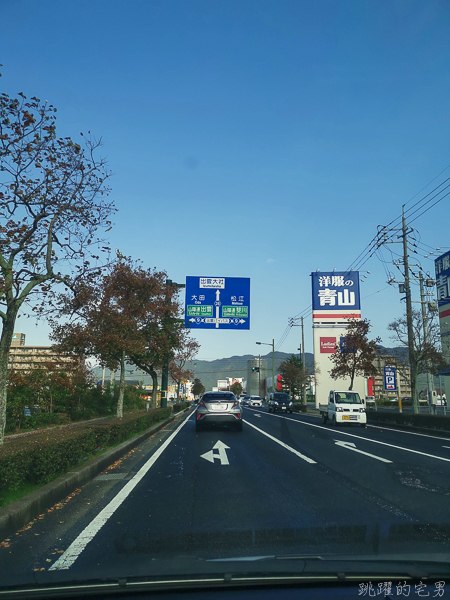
(251, 138)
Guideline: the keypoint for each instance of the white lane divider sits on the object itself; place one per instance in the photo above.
(351, 446)
(296, 452)
(364, 439)
(66, 560)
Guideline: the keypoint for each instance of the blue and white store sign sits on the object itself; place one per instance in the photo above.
(336, 294)
(389, 379)
(442, 266)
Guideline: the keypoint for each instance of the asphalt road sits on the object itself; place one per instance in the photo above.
(286, 485)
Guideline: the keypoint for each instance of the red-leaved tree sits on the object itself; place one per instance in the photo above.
(52, 206)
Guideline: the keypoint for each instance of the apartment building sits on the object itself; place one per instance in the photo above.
(25, 358)
(403, 377)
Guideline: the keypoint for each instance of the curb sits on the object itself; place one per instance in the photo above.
(16, 515)
(389, 425)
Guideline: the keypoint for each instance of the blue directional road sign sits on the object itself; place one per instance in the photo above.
(217, 303)
(389, 379)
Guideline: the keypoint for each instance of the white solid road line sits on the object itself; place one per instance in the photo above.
(296, 452)
(351, 446)
(358, 437)
(66, 560)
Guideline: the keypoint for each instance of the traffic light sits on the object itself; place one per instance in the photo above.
(279, 383)
(255, 369)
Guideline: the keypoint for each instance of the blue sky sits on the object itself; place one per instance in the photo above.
(260, 139)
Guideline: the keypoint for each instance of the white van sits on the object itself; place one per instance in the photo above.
(344, 407)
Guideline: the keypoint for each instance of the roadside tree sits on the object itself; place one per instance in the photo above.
(236, 388)
(198, 388)
(294, 375)
(356, 353)
(427, 355)
(126, 316)
(177, 366)
(52, 205)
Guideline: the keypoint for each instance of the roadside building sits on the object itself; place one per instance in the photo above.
(25, 358)
(403, 378)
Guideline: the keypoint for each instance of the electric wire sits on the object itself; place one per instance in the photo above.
(387, 233)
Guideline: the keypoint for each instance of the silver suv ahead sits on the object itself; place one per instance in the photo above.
(218, 408)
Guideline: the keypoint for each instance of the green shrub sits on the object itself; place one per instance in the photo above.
(42, 457)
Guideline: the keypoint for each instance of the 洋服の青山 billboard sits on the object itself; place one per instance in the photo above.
(335, 302)
(335, 295)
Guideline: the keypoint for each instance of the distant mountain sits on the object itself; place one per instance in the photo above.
(210, 371)
(236, 366)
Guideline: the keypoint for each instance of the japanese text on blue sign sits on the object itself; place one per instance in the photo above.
(335, 290)
(389, 379)
(217, 303)
(442, 266)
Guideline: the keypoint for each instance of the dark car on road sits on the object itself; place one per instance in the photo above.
(218, 408)
(280, 401)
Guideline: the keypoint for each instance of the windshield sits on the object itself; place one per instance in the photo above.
(347, 397)
(217, 397)
(280, 397)
(224, 294)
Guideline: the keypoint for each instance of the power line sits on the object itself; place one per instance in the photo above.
(387, 233)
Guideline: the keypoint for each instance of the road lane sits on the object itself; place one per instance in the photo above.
(255, 497)
(409, 441)
(416, 482)
(261, 498)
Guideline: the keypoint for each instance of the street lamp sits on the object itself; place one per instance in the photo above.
(273, 360)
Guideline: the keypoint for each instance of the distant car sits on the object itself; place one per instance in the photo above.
(218, 408)
(280, 401)
(241, 397)
(245, 400)
(255, 401)
(370, 399)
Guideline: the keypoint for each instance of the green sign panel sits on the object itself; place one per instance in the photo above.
(235, 311)
(199, 311)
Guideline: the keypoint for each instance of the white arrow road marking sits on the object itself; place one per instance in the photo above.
(257, 415)
(222, 455)
(296, 452)
(366, 439)
(351, 446)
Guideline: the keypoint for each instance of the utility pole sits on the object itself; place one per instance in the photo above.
(409, 317)
(304, 365)
(426, 339)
